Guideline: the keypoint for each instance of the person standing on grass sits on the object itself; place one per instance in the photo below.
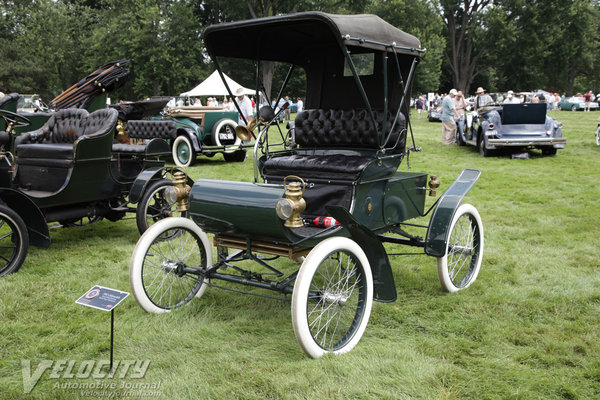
(300, 105)
(287, 114)
(449, 114)
(460, 105)
(419, 106)
(245, 106)
(587, 98)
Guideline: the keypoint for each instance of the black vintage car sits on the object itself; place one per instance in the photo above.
(512, 126)
(331, 192)
(72, 171)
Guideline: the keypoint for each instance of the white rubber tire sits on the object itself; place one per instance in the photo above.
(474, 261)
(192, 153)
(215, 132)
(307, 271)
(139, 256)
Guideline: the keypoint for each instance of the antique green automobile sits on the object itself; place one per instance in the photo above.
(206, 131)
(70, 172)
(329, 199)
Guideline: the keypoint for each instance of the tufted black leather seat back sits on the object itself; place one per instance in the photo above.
(346, 128)
(100, 122)
(150, 129)
(65, 126)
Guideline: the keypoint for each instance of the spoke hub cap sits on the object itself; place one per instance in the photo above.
(339, 299)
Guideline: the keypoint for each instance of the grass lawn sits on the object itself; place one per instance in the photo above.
(528, 328)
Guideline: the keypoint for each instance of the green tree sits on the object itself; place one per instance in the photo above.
(419, 18)
(466, 38)
(161, 36)
(41, 45)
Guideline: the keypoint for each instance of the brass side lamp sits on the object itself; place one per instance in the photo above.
(179, 192)
(289, 207)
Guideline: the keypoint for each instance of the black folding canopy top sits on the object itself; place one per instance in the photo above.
(289, 37)
(325, 45)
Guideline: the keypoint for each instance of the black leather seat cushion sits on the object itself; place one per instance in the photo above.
(128, 148)
(325, 166)
(46, 150)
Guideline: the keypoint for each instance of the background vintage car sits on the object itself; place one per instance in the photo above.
(517, 126)
(575, 103)
(434, 114)
(204, 130)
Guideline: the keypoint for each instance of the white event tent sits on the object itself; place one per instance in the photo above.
(214, 86)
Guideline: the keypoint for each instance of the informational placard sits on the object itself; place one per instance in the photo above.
(102, 298)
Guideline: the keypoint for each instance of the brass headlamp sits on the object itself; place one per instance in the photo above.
(179, 192)
(245, 133)
(289, 207)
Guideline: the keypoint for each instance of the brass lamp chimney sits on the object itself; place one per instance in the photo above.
(182, 191)
(290, 207)
(434, 183)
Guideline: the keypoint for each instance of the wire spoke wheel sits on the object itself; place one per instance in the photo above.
(460, 266)
(153, 206)
(14, 241)
(332, 299)
(160, 266)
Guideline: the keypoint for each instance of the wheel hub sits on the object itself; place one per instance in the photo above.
(335, 298)
(461, 249)
(168, 266)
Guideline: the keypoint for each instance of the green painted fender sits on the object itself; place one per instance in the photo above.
(384, 288)
(30, 213)
(150, 175)
(437, 231)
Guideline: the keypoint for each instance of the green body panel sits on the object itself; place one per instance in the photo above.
(248, 209)
(437, 232)
(237, 207)
(404, 197)
(388, 201)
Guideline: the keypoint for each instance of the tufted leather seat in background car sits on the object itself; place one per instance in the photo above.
(57, 139)
(145, 129)
(45, 156)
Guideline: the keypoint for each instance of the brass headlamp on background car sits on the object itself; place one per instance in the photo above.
(265, 116)
(245, 133)
(179, 192)
(289, 207)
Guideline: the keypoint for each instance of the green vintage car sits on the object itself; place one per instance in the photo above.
(329, 199)
(206, 131)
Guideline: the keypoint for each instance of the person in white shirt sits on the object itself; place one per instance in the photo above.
(300, 105)
(245, 106)
(510, 98)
